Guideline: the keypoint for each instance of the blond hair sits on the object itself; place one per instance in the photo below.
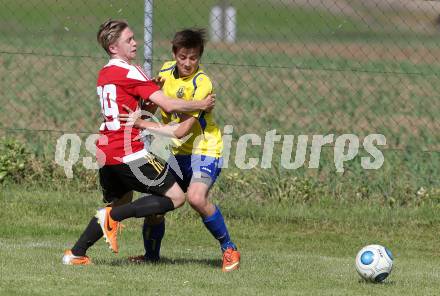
(109, 32)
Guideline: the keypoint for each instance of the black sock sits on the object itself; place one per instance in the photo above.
(91, 234)
(142, 207)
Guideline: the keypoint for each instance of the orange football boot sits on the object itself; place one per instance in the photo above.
(70, 259)
(231, 260)
(109, 227)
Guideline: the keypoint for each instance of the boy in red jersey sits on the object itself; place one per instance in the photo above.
(125, 164)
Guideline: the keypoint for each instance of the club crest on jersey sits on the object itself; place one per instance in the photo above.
(180, 92)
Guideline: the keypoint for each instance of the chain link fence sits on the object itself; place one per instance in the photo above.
(302, 67)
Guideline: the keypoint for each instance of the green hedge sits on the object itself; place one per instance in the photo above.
(19, 166)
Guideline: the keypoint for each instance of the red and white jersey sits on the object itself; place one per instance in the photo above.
(120, 83)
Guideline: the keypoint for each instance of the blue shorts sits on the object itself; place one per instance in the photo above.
(196, 168)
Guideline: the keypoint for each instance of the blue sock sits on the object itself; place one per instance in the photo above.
(216, 225)
(153, 235)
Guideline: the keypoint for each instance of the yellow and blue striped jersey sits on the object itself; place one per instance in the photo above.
(206, 137)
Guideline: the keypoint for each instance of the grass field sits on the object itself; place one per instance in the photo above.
(294, 250)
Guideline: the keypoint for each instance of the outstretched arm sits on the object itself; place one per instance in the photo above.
(169, 105)
(173, 130)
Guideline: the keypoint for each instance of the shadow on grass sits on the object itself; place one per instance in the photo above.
(216, 263)
(384, 283)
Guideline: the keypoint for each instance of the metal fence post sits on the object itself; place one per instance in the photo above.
(148, 37)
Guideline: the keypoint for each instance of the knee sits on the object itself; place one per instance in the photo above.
(196, 199)
(154, 219)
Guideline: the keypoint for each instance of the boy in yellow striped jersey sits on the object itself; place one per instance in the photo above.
(200, 156)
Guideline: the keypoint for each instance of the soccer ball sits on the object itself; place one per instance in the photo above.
(374, 263)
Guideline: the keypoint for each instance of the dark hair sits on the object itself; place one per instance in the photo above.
(189, 38)
(109, 32)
